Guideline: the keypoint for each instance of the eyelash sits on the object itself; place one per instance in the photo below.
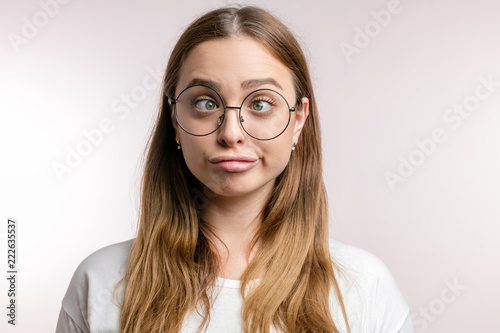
(203, 98)
(256, 99)
(264, 99)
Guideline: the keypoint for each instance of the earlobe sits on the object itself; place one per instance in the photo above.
(300, 118)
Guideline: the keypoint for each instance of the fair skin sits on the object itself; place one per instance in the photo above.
(236, 192)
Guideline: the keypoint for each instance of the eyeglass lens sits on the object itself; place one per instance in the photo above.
(264, 114)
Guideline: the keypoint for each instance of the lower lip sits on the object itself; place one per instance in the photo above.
(235, 166)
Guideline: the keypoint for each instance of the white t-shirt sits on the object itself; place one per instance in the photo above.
(373, 301)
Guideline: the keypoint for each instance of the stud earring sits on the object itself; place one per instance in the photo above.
(178, 145)
(293, 147)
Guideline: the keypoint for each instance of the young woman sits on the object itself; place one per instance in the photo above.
(233, 232)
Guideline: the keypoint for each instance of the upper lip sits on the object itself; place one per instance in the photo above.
(241, 158)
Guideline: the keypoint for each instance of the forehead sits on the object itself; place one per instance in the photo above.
(230, 62)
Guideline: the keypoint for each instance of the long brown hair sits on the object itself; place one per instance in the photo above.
(172, 266)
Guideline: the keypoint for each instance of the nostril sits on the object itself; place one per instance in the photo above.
(230, 131)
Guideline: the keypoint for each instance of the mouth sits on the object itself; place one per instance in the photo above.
(234, 163)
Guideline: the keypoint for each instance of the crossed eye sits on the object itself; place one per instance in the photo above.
(209, 105)
(263, 114)
(206, 105)
(261, 105)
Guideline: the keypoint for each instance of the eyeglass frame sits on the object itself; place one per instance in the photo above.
(174, 102)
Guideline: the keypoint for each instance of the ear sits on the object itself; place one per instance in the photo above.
(300, 118)
(172, 118)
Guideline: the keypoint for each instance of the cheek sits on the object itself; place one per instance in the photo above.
(277, 156)
(193, 156)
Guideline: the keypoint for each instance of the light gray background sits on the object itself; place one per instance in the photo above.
(437, 228)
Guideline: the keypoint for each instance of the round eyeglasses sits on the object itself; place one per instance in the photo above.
(200, 110)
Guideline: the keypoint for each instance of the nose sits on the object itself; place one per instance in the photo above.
(230, 132)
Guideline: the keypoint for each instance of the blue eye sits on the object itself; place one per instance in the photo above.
(260, 106)
(206, 105)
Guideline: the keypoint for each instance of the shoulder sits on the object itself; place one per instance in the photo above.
(91, 298)
(357, 261)
(370, 293)
(110, 256)
(103, 266)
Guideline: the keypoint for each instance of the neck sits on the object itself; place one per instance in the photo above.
(234, 221)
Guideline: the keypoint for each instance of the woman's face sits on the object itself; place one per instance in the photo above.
(229, 162)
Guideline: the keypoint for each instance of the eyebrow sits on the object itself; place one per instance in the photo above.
(247, 84)
(260, 82)
(208, 83)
